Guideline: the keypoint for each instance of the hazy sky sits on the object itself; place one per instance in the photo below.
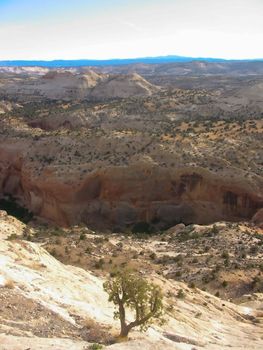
(75, 29)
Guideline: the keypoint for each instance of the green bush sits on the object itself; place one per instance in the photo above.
(224, 284)
(95, 346)
(180, 294)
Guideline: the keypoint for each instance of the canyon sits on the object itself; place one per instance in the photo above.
(121, 196)
(111, 150)
(155, 168)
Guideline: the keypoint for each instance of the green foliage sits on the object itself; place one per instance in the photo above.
(82, 236)
(95, 346)
(12, 237)
(128, 290)
(180, 294)
(188, 233)
(224, 284)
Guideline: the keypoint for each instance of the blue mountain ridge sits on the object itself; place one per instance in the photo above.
(113, 62)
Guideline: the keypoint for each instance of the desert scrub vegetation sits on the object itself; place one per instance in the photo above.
(95, 346)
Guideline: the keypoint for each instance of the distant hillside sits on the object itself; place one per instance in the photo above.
(111, 62)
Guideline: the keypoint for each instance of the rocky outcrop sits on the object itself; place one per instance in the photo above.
(120, 196)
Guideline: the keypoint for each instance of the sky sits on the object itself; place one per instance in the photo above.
(104, 29)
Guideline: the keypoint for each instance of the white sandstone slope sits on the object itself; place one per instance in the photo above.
(123, 86)
(68, 85)
(38, 275)
(67, 294)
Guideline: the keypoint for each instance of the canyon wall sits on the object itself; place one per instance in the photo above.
(120, 196)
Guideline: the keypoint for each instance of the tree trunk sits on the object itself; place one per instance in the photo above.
(124, 331)
(124, 328)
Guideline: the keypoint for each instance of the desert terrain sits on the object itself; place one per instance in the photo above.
(154, 167)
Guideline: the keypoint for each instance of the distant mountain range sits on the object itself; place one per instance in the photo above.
(113, 62)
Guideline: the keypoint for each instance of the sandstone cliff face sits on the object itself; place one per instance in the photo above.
(116, 197)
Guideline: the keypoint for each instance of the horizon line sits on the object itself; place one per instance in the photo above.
(67, 63)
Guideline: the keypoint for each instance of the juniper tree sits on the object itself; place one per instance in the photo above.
(145, 299)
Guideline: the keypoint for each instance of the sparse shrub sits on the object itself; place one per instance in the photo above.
(178, 273)
(225, 254)
(153, 256)
(188, 234)
(82, 236)
(12, 237)
(88, 250)
(58, 232)
(192, 285)
(181, 294)
(99, 240)
(95, 346)
(254, 249)
(214, 230)
(206, 279)
(226, 262)
(224, 284)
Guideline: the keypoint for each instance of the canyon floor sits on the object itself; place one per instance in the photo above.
(157, 168)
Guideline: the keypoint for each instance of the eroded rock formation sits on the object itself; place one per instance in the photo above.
(119, 196)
